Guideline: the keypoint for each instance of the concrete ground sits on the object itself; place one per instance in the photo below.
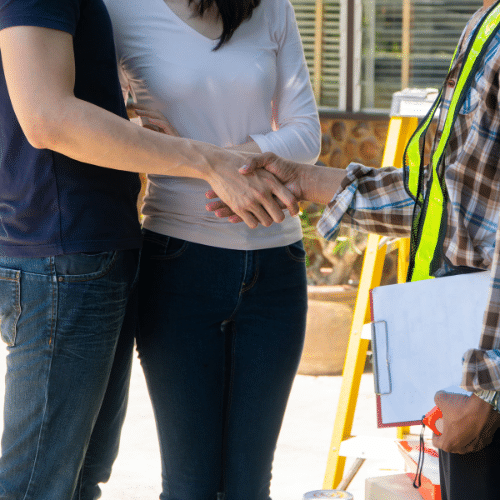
(301, 454)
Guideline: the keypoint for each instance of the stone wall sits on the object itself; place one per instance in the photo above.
(346, 140)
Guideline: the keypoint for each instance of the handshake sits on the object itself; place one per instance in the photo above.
(289, 182)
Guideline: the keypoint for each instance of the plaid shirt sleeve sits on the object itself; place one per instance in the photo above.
(372, 200)
(481, 367)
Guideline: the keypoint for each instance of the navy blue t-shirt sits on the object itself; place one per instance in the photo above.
(51, 204)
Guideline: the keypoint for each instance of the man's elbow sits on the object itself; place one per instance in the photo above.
(40, 131)
(36, 135)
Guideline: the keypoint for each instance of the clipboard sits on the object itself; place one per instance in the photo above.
(420, 332)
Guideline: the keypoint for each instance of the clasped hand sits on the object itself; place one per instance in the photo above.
(468, 423)
(257, 197)
(286, 172)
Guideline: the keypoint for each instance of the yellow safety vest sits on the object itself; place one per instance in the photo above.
(429, 216)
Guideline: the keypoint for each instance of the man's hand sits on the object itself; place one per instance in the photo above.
(305, 182)
(468, 423)
(287, 172)
(255, 199)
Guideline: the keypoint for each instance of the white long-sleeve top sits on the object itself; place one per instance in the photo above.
(256, 86)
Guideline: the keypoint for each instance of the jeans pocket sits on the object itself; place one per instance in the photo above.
(10, 304)
(296, 251)
(85, 266)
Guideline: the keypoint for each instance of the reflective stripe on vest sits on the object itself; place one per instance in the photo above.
(429, 217)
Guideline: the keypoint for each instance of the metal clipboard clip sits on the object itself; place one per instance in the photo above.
(381, 362)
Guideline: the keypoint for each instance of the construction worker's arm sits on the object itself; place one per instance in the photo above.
(469, 423)
(373, 200)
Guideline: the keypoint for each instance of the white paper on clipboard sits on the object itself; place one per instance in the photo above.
(428, 326)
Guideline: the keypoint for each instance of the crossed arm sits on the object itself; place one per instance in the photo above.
(39, 69)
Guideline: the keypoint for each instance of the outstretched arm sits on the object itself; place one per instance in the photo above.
(306, 182)
(40, 72)
(373, 200)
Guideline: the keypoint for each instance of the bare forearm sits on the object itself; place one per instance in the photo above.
(247, 147)
(40, 71)
(92, 135)
(319, 184)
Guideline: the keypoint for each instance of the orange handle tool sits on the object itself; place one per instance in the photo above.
(434, 420)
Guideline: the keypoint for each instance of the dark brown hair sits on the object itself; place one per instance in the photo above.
(232, 13)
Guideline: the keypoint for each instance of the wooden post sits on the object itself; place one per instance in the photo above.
(405, 45)
(318, 50)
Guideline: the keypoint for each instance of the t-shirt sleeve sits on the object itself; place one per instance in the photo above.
(294, 107)
(61, 15)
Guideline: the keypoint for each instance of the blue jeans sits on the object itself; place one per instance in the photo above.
(220, 338)
(69, 324)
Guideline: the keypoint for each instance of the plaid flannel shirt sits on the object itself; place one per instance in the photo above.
(375, 201)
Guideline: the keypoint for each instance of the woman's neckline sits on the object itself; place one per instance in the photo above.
(188, 27)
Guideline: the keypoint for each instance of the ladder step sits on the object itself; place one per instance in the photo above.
(370, 447)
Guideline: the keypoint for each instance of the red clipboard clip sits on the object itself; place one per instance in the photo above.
(434, 420)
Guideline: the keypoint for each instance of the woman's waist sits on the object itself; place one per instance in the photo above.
(207, 229)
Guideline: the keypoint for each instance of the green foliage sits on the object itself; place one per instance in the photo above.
(308, 225)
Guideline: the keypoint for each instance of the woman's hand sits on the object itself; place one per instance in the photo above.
(257, 198)
(253, 199)
(285, 171)
(154, 120)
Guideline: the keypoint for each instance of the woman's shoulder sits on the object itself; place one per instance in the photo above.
(276, 12)
(276, 6)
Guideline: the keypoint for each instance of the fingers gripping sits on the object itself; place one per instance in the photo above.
(260, 161)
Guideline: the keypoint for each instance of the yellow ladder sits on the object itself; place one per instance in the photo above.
(399, 133)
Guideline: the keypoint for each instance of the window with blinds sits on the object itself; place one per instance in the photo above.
(380, 64)
(319, 26)
(435, 27)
